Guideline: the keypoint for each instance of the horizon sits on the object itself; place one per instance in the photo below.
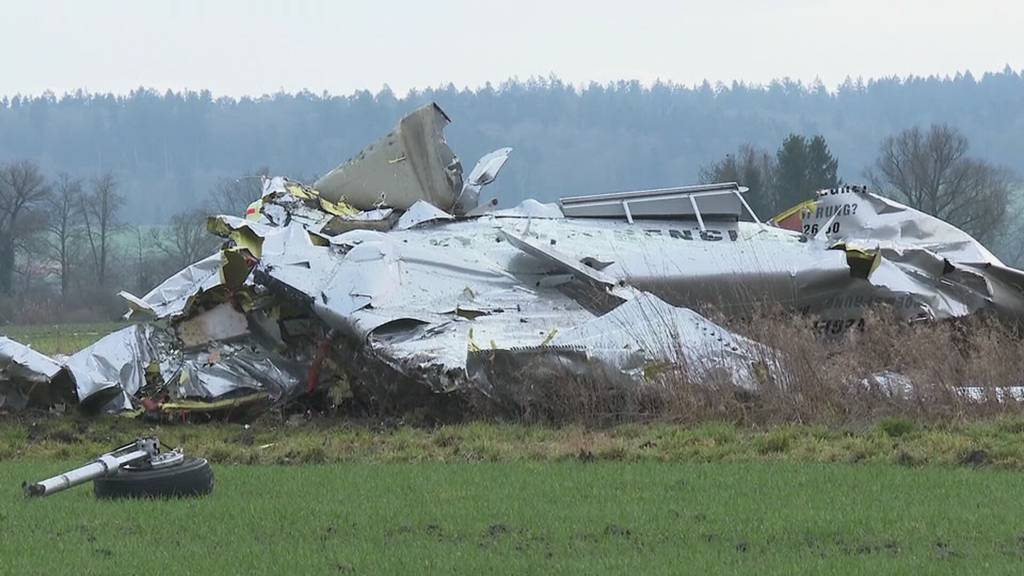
(236, 48)
(717, 87)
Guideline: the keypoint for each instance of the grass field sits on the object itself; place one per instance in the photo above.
(330, 496)
(59, 338)
(516, 518)
(997, 443)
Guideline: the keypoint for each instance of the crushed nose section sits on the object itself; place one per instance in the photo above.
(412, 162)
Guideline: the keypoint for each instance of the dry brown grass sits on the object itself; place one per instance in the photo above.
(818, 381)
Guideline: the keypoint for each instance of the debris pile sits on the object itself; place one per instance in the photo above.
(387, 283)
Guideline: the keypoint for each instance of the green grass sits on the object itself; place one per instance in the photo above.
(340, 497)
(529, 517)
(60, 338)
(997, 443)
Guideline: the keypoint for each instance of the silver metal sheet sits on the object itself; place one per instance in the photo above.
(20, 362)
(227, 370)
(927, 268)
(421, 299)
(419, 213)
(27, 377)
(173, 296)
(412, 162)
(704, 202)
(666, 334)
(530, 208)
(862, 218)
(110, 372)
(485, 171)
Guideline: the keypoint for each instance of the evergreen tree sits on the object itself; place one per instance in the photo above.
(170, 149)
(804, 167)
(822, 168)
(791, 179)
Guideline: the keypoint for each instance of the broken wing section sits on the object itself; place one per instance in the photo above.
(636, 344)
(440, 301)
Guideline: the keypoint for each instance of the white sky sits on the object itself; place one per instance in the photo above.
(235, 47)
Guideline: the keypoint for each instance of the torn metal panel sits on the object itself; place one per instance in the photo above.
(530, 208)
(229, 370)
(485, 172)
(28, 378)
(412, 162)
(20, 362)
(668, 335)
(113, 370)
(636, 344)
(863, 218)
(376, 219)
(245, 233)
(174, 295)
(419, 213)
(925, 267)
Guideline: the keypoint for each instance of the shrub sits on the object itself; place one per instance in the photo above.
(896, 426)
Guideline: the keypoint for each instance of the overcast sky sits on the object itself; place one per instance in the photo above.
(255, 47)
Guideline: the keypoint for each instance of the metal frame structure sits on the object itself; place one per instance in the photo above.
(623, 202)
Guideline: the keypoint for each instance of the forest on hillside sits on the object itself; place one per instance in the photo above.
(170, 151)
(102, 192)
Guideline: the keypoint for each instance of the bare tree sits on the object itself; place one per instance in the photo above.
(186, 239)
(22, 187)
(31, 261)
(233, 196)
(930, 171)
(99, 214)
(64, 227)
(147, 255)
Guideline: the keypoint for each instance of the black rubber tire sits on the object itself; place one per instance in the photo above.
(193, 477)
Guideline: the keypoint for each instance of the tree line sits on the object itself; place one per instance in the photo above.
(64, 244)
(66, 250)
(168, 149)
(85, 177)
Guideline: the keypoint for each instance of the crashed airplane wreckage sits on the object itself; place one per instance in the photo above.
(388, 282)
